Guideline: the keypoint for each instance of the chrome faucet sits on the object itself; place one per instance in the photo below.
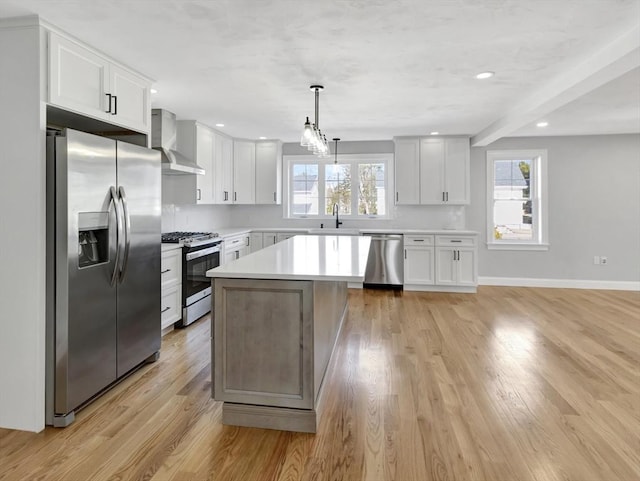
(335, 212)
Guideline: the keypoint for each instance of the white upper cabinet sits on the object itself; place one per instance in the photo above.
(244, 172)
(130, 98)
(268, 172)
(407, 164)
(444, 170)
(223, 169)
(432, 170)
(196, 142)
(85, 82)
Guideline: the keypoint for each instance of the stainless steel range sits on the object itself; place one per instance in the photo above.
(200, 252)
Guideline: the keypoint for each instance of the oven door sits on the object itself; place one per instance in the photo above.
(195, 283)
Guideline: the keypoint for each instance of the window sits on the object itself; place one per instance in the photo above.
(517, 199)
(357, 184)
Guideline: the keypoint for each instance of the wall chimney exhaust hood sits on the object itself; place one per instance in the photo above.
(164, 139)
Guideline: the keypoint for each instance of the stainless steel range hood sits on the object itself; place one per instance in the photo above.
(164, 139)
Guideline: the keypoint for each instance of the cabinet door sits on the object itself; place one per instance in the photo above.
(268, 239)
(457, 171)
(445, 266)
(268, 173)
(432, 153)
(130, 99)
(418, 265)
(283, 236)
(170, 306)
(244, 171)
(255, 241)
(204, 158)
(407, 171)
(229, 256)
(78, 78)
(466, 267)
(223, 169)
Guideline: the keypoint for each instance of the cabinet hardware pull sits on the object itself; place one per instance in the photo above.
(396, 197)
(418, 240)
(235, 196)
(165, 310)
(443, 197)
(115, 105)
(447, 196)
(109, 109)
(456, 240)
(226, 195)
(246, 241)
(405, 253)
(165, 271)
(274, 196)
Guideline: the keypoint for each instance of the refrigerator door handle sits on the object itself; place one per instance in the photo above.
(116, 203)
(127, 233)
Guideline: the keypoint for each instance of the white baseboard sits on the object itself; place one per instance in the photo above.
(559, 283)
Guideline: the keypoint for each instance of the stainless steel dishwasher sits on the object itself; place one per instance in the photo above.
(385, 265)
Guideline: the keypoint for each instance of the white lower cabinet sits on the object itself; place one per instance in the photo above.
(269, 238)
(171, 285)
(280, 236)
(255, 241)
(456, 261)
(235, 247)
(418, 260)
(440, 263)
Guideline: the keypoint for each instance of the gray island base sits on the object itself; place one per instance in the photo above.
(272, 344)
(277, 314)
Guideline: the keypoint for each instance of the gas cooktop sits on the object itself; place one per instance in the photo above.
(177, 237)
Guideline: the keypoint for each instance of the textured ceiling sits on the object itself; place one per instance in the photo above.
(389, 67)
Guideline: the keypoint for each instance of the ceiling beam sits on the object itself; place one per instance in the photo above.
(607, 64)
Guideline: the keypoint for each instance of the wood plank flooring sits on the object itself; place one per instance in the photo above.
(507, 384)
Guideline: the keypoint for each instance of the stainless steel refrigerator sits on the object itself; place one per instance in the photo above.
(103, 266)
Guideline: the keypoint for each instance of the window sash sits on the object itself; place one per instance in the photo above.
(353, 161)
(537, 196)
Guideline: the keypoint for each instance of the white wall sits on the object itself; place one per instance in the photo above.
(22, 230)
(594, 210)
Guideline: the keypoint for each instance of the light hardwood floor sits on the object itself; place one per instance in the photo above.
(508, 384)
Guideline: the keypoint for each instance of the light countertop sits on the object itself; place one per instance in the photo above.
(303, 257)
(231, 231)
(169, 247)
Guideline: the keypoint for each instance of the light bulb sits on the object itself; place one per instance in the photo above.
(306, 134)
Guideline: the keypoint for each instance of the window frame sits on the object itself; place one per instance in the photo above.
(354, 160)
(538, 195)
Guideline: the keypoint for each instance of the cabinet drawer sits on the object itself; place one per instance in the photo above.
(452, 241)
(170, 306)
(234, 243)
(418, 240)
(171, 268)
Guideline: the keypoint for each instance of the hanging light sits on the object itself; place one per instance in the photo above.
(335, 139)
(312, 137)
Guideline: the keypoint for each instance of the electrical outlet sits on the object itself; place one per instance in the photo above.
(596, 260)
(603, 260)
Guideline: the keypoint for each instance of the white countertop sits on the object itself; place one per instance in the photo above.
(231, 231)
(165, 246)
(303, 257)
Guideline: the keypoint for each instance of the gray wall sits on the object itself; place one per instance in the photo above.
(594, 209)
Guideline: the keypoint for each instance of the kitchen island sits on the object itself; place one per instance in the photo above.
(276, 317)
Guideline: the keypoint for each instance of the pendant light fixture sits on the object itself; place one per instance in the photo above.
(312, 137)
(335, 139)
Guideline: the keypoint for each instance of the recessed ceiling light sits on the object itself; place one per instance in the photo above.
(484, 75)
(219, 125)
(262, 138)
(542, 124)
(434, 133)
(154, 91)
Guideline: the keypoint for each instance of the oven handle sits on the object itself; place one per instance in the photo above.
(202, 253)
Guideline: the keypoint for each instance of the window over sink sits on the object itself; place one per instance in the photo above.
(358, 184)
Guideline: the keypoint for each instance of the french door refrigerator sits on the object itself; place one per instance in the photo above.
(103, 266)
